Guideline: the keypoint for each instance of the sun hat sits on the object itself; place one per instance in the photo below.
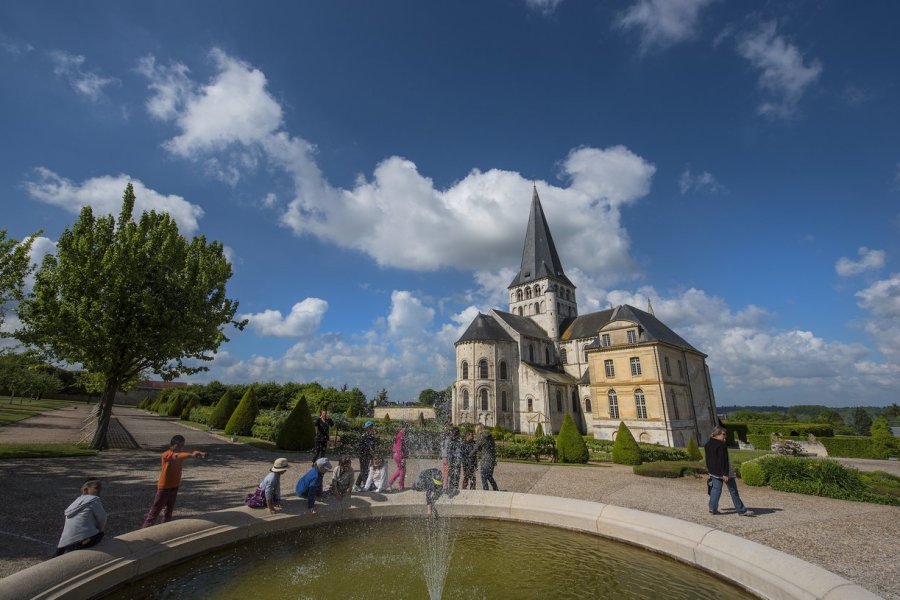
(280, 466)
(368, 424)
(324, 463)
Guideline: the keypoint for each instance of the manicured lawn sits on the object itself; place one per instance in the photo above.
(19, 409)
(8, 451)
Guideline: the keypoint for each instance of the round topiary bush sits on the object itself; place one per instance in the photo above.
(220, 414)
(570, 446)
(241, 421)
(626, 450)
(298, 431)
(693, 451)
(752, 473)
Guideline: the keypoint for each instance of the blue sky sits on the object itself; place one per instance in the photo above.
(369, 168)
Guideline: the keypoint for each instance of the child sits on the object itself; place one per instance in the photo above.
(377, 476)
(469, 461)
(85, 520)
(170, 479)
(401, 453)
(270, 486)
(431, 482)
(342, 479)
(310, 485)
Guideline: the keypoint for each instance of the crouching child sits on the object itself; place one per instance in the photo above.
(342, 479)
(310, 485)
(85, 520)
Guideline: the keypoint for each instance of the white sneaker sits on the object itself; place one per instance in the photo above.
(356, 488)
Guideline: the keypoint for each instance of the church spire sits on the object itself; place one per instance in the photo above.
(539, 256)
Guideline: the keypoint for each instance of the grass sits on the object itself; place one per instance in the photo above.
(739, 456)
(9, 451)
(19, 409)
(258, 443)
(194, 425)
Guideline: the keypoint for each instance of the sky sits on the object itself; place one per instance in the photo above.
(369, 168)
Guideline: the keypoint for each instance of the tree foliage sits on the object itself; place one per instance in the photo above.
(861, 421)
(570, 446)
(241, 421)
(626, 450)
(298, 431)
(25, 374)
(125, 296)
(539, 431)
(15, 265)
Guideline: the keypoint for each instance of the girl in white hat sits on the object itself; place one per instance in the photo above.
(271, 484)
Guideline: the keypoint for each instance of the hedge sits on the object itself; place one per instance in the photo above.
(200, 414)
(298, 431)
(221, 412)
(570, 445)
(848, 446)
(241, 420)
(693, 451)
(669, 469)
(268, 423)
(752, 473)
(742, 430)
(654, 453)
(625, 450)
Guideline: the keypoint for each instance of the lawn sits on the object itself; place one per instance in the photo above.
(8, 451)
(19, 409)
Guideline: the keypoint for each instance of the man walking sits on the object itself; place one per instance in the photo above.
(486, 449)
(720, 472)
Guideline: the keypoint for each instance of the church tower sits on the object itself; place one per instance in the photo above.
(541, 290)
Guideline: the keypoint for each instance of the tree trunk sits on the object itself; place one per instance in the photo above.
(106, 404)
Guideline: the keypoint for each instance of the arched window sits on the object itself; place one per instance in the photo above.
(465, 399)
(503, 401)
(518, 295)
(537, 308)
(613, 404)
(531, 352)
(574, 401)
(484, 399)
(482, 369)
(644, 438)
(587, 405)
(465, 370)
(562, 355)
(546, 356)
(503, 374)
(558, 401)
(537, 290)
(640, 405)
(530, 405)
(520, 311)
(528, 293)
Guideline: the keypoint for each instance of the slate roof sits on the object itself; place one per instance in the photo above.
(552, 374)
(652, 329)
(539, 256)
(522, 325)
(485, 328)
(584, 326)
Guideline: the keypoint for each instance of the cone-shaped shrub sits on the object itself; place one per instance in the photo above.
(298, 431)
(570, 446)
(539, 431)
(219, 416)
(387, 419)
(626, 451)
(421, 419)
(241, 421)
(693, 451)
(176, 405)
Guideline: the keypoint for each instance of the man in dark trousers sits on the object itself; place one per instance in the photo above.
(720, 472)
(365, 451)
(323, 426)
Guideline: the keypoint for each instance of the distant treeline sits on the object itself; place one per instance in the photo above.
(847, 420)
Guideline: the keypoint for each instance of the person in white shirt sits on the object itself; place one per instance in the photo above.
(377, 479)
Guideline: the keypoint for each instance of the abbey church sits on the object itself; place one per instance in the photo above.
(542, 360)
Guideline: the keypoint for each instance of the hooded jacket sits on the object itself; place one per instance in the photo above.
(85, 518)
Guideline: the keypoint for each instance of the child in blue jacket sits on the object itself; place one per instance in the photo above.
(310, 485)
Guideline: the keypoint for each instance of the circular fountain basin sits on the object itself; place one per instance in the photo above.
(763, 571)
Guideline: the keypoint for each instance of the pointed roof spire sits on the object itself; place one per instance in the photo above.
(539, 256)
(649, 306)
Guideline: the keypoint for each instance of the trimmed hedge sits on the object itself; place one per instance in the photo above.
(654, 453)
(752, 473)
(742, 430)
(221, 412)
(570, 446)
(241, 421)
(200, 414)
(670, 469)
(268, 423)
(625, 450)
(298, 431)
(693, 451)
(848, 446)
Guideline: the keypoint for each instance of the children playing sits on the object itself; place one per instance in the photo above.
(431, 482)
(342, 479)
(270, 487)
(377, 479)
(469, 461)
(310, 485)
(170, 479)
(85, 520)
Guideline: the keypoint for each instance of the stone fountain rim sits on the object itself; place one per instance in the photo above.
(763, 571)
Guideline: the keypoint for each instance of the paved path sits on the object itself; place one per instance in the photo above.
(855, 540)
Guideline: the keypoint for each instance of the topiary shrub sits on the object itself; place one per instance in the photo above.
(176, 405)
(221, 412)
(538, 431)
(298, 431)
(421, 419)
(752, 473)
(670, 469)
(387, 419)
(656, 453)
(570, 446)
(884, 445)
(626, 450)
(186, 411)
(241, 421)
(693, 451)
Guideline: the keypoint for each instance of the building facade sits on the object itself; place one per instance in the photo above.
(541, 360)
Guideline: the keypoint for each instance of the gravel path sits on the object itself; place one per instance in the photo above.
(858, 541)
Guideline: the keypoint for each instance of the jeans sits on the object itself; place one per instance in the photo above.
(716, 492)
(87, 543)
(164, 499)
(311, 493)
(487, 475)
(321, 448)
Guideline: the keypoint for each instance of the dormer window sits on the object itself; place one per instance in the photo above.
(632, 336)
(605, 340)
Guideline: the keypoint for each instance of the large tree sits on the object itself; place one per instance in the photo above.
(14, 266)
(124, 296)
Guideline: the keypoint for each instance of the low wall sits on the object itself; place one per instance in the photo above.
(403, 413)
(763, 571)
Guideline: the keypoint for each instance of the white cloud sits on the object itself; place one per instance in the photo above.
(87, 83)
(398, 217)
(302, 322)
(698, 182)
(543, 6)
(104, 196)
(882, 300)
(40, 247)
(408, 317)
(868, 261)
(783, 73)
(14, 47)
(662, 23)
